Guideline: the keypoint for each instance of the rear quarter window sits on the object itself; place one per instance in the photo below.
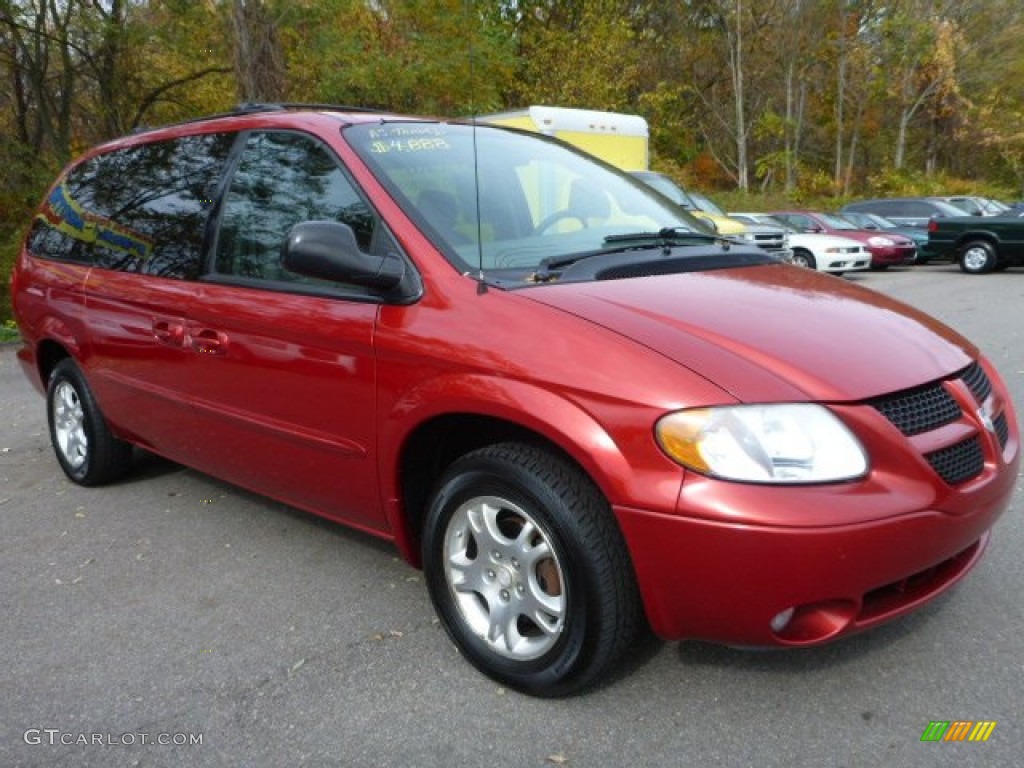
(136, 209)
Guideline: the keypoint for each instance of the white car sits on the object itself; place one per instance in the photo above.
(826, 253)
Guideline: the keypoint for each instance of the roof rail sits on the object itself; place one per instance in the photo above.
(252, 107)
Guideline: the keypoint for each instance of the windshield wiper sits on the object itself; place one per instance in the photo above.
(665, 235)
(664, 238)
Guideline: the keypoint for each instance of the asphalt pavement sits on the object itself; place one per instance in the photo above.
(173, 620)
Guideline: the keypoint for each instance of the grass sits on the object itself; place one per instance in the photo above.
(9, 332)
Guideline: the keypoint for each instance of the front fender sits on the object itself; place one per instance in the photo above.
(649, 481)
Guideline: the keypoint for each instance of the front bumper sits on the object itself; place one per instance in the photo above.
(727, 582)
(770, 565)
(890, 256)
(839, 262)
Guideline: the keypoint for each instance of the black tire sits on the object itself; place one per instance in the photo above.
(978, 257)
(86, 450)
(531, 541)
(802, 258)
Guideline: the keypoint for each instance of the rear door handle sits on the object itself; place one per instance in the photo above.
(210, 342)
(169, 332)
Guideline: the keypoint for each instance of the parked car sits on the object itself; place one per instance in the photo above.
(978, 206)
(772, 238)
(876, 223)
(826, 253)
(525, 368)
(906, 211)
(886, 250)
(979, 245)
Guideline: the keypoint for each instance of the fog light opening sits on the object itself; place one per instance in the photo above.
(813, 622)
(781, 619)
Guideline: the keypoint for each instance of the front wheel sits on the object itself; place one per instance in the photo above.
(528, 570)
(86, 450)
(978, 257)
(802, 258)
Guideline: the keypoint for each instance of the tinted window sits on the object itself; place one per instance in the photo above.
(142, 208)
(283, 179)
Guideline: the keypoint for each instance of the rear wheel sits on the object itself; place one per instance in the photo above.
(978, 257)
(86, 450)
(528, 570)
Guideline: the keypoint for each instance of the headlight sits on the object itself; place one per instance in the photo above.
(785, 443)
(880, 241)
(748, 236)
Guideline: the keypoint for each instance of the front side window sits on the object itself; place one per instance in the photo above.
(282, 179)
(136, 209)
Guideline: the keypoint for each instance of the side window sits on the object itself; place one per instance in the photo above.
(799, 221)
(141, 208)
(283, 179)
(917, 209)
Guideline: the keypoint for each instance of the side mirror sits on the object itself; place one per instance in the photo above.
(328, 250)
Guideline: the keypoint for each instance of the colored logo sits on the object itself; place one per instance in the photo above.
(958, 730)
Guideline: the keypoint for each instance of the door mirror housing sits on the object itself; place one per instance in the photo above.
(328, 250)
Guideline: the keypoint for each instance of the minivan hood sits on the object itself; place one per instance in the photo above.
(772, 333)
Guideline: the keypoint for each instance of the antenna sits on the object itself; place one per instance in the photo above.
(481, 286)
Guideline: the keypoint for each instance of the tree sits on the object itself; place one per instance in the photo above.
(258, 56)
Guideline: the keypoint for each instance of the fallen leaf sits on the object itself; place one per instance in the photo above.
(557, 759)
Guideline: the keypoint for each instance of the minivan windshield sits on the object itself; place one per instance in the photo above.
(539, 200)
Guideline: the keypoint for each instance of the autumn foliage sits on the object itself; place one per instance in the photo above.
(788, 98)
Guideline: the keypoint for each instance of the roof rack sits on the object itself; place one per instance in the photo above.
(252, 107)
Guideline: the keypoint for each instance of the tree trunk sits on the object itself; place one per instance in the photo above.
(736, 62)
(259, 66)
(840, 96)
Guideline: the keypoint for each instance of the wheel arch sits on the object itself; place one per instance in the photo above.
(433, 441)
(968, 237)
(48, 353)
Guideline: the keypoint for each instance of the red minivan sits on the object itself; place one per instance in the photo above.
(578, 411)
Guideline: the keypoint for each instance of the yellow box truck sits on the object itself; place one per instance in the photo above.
(616, 138)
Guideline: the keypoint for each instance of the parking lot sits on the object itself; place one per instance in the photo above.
(172, 620)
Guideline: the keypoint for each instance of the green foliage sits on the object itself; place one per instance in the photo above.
(440, 57)
(576, 55)
(9, 332)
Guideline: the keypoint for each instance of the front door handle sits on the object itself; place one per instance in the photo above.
(210, 342)
(169, 332)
